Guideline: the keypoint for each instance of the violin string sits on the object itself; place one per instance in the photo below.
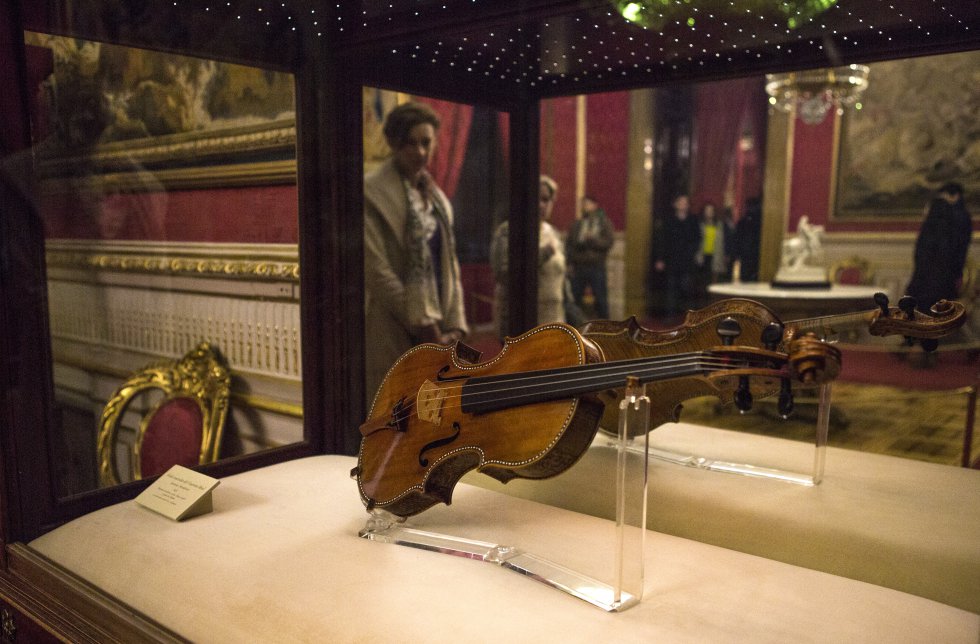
(598, 368)
(651, 370)
(583, 373)
(523, 379)
(448, 398)
(408, 408)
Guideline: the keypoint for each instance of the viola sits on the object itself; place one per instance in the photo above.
(751, 323)
(532, 410)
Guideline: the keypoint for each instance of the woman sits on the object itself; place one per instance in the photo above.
(551, 263)
(411, 273)
(712, 260)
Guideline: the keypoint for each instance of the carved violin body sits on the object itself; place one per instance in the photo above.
(532, 410)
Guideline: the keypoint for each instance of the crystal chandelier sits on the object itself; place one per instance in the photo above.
(813, 92)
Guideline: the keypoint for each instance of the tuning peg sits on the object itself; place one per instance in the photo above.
(929, 344)
(743, 396)
(785, 403)
(907, 305)
(882, 301)
(728, 329)
(772, 335)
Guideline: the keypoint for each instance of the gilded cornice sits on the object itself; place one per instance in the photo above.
(188, 147)
(187, 265)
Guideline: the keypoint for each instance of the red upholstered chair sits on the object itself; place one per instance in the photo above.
(182, 405)
(853, 270)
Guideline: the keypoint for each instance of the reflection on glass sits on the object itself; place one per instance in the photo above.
(433, 186)
(166, 187)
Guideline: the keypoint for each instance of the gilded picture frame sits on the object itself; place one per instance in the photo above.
(115, 113)
(915, 130)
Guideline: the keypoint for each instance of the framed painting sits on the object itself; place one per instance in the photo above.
(917, 129)
(115, 113)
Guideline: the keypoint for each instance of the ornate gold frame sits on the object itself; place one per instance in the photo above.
(213, 149)
(200, 375)
(173, 263)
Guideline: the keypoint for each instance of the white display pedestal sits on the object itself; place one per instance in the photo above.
(623, 588)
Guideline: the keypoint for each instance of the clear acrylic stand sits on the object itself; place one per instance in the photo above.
(746, 469)
(624, 588)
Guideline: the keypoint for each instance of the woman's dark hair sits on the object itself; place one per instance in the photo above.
(550, 184)
(952, 189)
(403, 118)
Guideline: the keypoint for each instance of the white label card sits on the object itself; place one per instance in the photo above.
(180, 493)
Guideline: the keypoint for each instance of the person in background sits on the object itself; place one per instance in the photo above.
(551, 263)
(728, 223)
(676, 246)
(589, 242)
(747, 238)
(412, 278)
(941, 248)
(711, 258)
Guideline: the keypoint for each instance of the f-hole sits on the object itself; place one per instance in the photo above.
(424, 462)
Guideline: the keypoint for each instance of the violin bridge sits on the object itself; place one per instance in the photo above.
(429, 402)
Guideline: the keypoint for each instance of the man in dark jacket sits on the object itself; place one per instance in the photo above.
(586, 249)
(941, 248)
(676, 245)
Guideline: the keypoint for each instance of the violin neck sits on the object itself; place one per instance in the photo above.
(830, 324)
(492, 393)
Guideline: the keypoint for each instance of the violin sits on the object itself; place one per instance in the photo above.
(532, 410)
(751, 323)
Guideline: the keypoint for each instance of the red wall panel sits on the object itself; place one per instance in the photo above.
(607, 132)
(558, 142)
(261, 214)
(811, 170)
(607, 128)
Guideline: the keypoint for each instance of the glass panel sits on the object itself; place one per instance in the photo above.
(463, 162)
(167, 188)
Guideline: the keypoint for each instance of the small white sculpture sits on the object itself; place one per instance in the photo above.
(805, 249)
(802, 260)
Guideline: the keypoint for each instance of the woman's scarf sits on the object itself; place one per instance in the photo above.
(422, 298)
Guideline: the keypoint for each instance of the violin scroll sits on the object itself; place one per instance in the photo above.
(943, 318)
(813, 361)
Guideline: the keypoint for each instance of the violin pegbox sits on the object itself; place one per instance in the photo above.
(915, 325)
(743, 371)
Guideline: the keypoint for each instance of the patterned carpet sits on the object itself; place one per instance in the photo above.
(924, 425)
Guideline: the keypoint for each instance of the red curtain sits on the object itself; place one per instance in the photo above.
(447, 160)
(720, 112)
(503, 127)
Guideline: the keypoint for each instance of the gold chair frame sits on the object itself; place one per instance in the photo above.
(200, 375)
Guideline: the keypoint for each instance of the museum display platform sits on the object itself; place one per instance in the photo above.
(894, 522)
(279, 559)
